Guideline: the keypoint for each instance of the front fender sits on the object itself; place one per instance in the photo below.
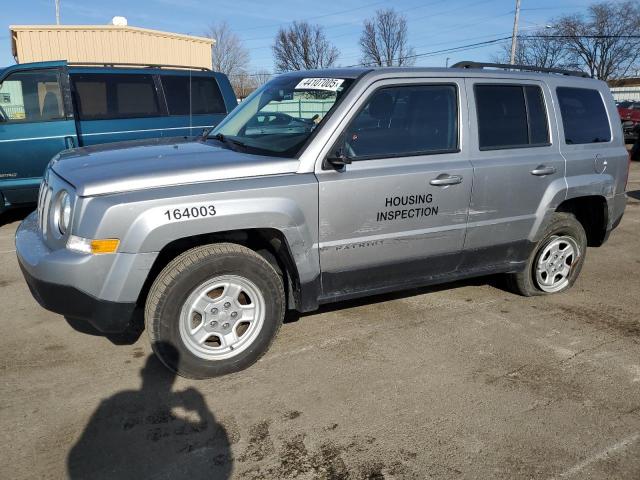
(287, 203)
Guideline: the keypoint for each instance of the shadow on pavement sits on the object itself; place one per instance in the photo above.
(128, 337)
(15, 215)
(152, 432)
(634, 194)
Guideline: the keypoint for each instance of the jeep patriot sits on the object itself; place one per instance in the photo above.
(324, 186)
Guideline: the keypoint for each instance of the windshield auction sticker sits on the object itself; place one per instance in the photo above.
(329, 84)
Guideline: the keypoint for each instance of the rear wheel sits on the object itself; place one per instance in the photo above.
(219, 306)
(556, 261)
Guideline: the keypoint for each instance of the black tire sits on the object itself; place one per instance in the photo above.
(561, 224)
(180, 277)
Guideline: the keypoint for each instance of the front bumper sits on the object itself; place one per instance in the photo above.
(106, 317)
(99, 289)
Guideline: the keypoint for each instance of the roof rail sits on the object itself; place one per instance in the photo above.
(529, 68)
(143, 65)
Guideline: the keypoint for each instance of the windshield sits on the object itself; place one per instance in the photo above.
(278, 118)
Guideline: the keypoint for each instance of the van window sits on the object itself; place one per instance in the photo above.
(406, 120)
(204, 96)
(584, 116)
(101, 96)
(511, 116)
(31, 96)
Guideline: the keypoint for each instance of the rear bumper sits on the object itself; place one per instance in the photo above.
(105, 316)
(616, 208)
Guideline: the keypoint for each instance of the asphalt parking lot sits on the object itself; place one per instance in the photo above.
(460, 381)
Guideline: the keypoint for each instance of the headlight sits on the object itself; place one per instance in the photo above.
(62, 212)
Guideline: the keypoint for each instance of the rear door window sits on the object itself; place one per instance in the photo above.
(584, 116)
(31, 96)
(195, 95)
(110, 96)
(511, 116)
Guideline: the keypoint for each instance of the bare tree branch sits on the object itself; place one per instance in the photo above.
(228, 54)
(230, 57)
(539, 49)
(303, 46)
(261, 77)
(600, 40)
(384, 40)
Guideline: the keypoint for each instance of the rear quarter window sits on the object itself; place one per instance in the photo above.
(584, 116)
(195, 95)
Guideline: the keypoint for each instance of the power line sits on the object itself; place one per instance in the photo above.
(438, 52)
(470, 46)
(431, 15)
(329, 27)
(368, 5)
(435, 52)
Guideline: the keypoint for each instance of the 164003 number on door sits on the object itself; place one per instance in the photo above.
(190, 212)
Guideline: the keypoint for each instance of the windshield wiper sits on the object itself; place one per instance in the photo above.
(224, 139)
(205, 133)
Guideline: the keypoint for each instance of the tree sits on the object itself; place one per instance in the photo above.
(540, 49)
(243, 84)
(229, 55)
(600, 40)
(303, 46)
(384, 40)
(261, 77)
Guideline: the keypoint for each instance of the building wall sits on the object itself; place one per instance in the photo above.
(108, 44)
(626, 93)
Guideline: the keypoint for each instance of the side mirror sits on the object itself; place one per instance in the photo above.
(338, 159)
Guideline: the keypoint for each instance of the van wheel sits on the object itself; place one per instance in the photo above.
(219, 306)
(556, 261)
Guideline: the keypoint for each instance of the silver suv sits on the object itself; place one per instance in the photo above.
(324, 186)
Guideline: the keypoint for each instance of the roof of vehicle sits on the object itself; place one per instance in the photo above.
(138, 69)
(114, 68)
(436, 71)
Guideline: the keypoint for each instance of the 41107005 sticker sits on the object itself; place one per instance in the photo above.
(187, 213)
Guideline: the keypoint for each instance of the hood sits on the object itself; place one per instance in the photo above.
(127, 166)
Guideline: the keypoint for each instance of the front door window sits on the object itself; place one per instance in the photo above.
(31, 96)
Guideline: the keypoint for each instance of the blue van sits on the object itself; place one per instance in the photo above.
(47, 107)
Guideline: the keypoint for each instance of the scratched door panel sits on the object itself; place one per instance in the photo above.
(383, 223)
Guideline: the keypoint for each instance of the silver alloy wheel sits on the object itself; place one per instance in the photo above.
(554, 263)
(222, 317)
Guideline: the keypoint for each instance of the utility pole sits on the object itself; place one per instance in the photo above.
(57, 12)
(514, 37)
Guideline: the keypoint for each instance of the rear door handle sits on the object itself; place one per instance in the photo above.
(542, 170)
(446, 179)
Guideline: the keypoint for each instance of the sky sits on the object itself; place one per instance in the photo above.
(433, 25)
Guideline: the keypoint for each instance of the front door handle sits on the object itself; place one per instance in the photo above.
(542, 170)
(446, 179)
(69, 142)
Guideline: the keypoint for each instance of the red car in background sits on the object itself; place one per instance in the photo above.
(630, 115)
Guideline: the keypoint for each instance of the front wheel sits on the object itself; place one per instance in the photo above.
(556, 261)
(214, 310)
